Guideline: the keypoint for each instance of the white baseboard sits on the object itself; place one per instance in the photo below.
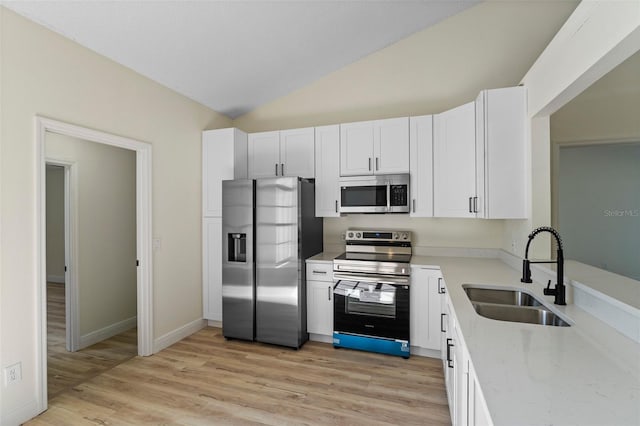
(431, 353)
(55, 279)
(178, 334)
(320, 338)
(106, 332)
(217, 324)
(20, 415)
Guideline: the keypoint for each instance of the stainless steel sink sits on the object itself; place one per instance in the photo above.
(502, 297)
(531, 315)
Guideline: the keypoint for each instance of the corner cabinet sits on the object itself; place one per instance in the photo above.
(479, 166)
(374, 147)
(421, 165)
(281, 153)
(327, 149)
(224, 156)
(320, 300)
(425, 308)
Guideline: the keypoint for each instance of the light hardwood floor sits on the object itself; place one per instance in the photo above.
(206, 380)
(68, 369)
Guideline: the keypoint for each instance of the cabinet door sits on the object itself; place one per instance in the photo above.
(327, 171)
(212, 269)
(448, 349)
(454, 159)
(500, 153)
(460, 372)
(264, 154)
(320, 307)
(477, 412)
(391, 146)
(220, 149)
(356, 148)
(297, 153)
(421, 165)
(425, 308)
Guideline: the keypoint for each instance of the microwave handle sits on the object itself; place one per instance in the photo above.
(388, 196)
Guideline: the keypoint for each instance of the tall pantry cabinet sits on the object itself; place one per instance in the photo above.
(224, 156)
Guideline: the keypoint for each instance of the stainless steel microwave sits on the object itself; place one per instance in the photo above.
(374, 194)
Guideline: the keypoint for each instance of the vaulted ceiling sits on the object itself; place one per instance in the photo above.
(234, 56)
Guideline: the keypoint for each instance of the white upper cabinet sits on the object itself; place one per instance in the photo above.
(282, 153)
(501, 124)
(327, 171)
(374, 147)
(421, 165)
(224, 156)
(454, 162)
(264, 154)
(479, 157)
(356, 148)
(391, 146)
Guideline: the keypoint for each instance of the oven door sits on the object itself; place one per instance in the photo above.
(372, 309)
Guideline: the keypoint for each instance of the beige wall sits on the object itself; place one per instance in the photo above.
(55, 223)
(105, 215)
(490, 45)
(46, 74)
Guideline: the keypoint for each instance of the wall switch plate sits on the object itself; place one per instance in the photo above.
(13, 374)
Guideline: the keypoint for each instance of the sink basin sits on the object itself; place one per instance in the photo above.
(502, 297)
(530, 315)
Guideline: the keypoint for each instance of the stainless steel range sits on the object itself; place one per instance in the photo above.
(371, 292)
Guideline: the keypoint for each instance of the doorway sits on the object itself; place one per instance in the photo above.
(141, 228)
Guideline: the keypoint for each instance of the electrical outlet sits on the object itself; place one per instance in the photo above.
(13, 374)
(157, 243)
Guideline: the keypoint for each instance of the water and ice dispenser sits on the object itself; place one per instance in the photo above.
(237, 247)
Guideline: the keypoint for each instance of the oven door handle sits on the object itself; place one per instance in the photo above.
(371, 278)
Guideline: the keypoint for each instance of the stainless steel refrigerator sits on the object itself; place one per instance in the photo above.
(269, 228)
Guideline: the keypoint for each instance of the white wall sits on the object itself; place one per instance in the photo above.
(46, 74)
(597, 37)
(105, 213)
(55, 223)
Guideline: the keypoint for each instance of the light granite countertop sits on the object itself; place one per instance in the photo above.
(586, 374)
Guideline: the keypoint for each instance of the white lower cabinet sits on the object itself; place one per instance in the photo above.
(425, 308)
(212, 269)
(320, 298)
(466, 404)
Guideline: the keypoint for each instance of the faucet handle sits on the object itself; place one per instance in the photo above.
(549, 291)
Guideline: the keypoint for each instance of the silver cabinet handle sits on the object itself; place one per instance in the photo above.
(475, 204)
(442, 323)
(276, 169)
(369, 163)
(441, 290)
(377, 163)
(329, 292)
(414, 205)
(281, 169)
(336, 206)
(319, 272)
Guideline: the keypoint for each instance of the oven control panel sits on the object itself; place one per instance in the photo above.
(385, 235)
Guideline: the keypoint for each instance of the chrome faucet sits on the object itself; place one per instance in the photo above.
(559, 290)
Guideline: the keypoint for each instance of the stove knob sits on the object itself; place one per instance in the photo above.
(357, 235)
(350, 235)
(395, 236)
(405, 236)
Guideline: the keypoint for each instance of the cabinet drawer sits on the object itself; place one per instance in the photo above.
(320, 271)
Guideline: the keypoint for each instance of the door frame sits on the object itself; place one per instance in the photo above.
(143, 236)
(72, 327)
